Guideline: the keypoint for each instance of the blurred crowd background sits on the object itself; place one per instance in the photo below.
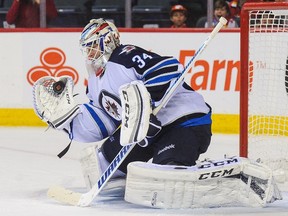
(124, 13)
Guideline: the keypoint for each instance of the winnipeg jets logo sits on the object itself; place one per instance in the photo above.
(111, 104)
(111, 107)
(127, 49)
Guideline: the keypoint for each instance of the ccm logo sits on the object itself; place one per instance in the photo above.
(216, 174)
(126, 108)
(219, 163)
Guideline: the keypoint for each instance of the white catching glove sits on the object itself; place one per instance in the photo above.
(54, 102)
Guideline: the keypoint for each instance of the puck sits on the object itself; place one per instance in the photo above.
(58, 87)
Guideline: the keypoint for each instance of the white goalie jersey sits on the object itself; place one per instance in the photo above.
(100, 117)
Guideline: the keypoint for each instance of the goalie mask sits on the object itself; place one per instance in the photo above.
(98, 40)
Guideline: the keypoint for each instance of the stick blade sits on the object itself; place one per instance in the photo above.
(63, 195)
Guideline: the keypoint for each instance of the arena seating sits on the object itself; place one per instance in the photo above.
(145, 13)
(71, 13)
(112, 10)
(4, 7)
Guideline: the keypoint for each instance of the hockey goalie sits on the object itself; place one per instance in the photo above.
(125, 84)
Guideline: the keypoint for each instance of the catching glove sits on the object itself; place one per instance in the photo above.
(53, 101)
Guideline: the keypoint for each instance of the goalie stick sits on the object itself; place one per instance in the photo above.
(78, 199)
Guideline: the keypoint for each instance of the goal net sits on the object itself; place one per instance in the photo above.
(264, 84)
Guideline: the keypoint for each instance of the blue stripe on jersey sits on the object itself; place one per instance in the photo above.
(164, 63)
(161, 79)
(98, 121)
(206, 119)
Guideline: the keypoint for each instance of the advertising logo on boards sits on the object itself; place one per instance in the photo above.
(52, 62)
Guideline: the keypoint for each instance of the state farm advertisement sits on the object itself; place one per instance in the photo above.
(27, 56)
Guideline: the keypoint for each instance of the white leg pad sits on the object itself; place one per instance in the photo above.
(92, 163)
(208, 184)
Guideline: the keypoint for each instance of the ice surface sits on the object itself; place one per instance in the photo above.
(29, 166)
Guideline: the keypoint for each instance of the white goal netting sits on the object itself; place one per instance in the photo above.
(268, 87)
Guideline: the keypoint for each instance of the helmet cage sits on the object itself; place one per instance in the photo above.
(98, 40)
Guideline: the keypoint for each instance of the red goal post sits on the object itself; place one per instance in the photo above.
(264, 82)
